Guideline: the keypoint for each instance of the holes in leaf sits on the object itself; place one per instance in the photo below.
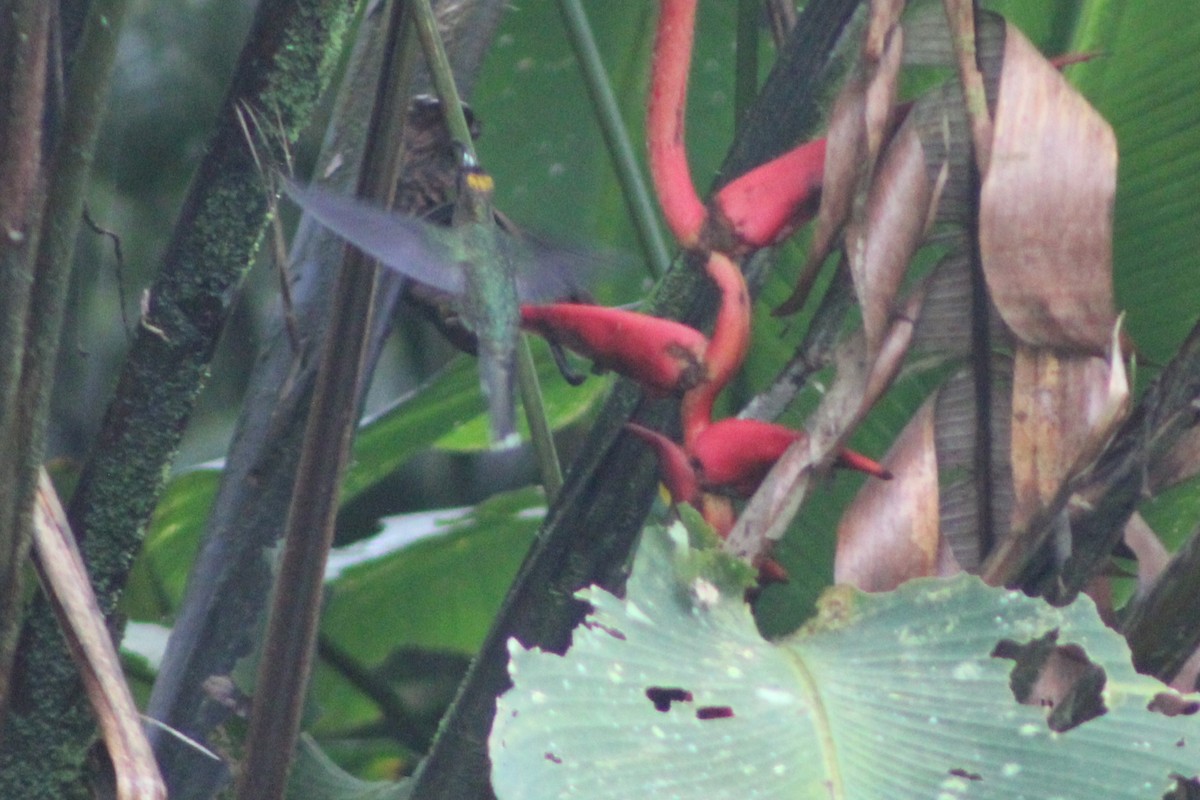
(663, 696)
(962, 773)
(714, 712)
(1060, 678)
(1185, 788)
(616, 633)
(1172, 705)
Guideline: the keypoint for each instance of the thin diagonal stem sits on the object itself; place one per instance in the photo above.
(616, 136)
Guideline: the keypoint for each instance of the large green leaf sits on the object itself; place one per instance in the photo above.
(1145, 85)
(671, 691)
(385, 442)
(437, 594)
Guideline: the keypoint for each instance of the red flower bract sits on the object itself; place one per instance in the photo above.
(767, 203)
(673, 464)
(662, 355)
(737, 454)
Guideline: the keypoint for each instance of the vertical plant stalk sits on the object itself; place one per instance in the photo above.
(443, 74)
(282, 69)
(539, 423)
(41, 323)
(961, 16)
(24, 41)
(616, 137)
(291, 639)
(229, 586)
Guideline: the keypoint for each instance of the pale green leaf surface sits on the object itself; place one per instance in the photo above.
(882, 696)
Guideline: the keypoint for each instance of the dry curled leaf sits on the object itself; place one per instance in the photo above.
(1064, 409)
(1045, 209)
(889, 534)
(863, 118)
(881, 243)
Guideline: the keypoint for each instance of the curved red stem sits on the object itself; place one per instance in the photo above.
(726, 348)
(682, 207)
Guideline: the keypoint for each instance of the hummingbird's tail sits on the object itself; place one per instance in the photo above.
(496, 377)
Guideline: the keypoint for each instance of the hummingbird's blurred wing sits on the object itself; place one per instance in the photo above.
(550, 272)
(410, 246)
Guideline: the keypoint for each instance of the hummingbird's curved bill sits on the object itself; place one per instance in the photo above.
(487, 271)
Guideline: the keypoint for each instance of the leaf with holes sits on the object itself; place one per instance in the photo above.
(671, 692)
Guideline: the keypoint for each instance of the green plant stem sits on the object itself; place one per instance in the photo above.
(745, 83)
(616, 137)
(539, 425)
(443, 74)
(456, 121)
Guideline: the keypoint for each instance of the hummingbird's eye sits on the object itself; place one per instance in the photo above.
(466, 159)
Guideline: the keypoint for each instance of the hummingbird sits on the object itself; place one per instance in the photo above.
(486, 271)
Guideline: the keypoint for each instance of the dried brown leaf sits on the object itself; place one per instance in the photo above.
(895, 346)
(1045, 219)
(1064, 410)
(890, 532)
(881, 243)
(845, 155)
(863, 117)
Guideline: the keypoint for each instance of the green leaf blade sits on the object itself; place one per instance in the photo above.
(894, 695)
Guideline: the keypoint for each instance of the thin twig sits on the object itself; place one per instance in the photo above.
(120, 267)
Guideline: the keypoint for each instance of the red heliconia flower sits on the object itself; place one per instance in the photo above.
(736, 454)
(769, 202)
(674, 466)
(665, 357)
(678, 474)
